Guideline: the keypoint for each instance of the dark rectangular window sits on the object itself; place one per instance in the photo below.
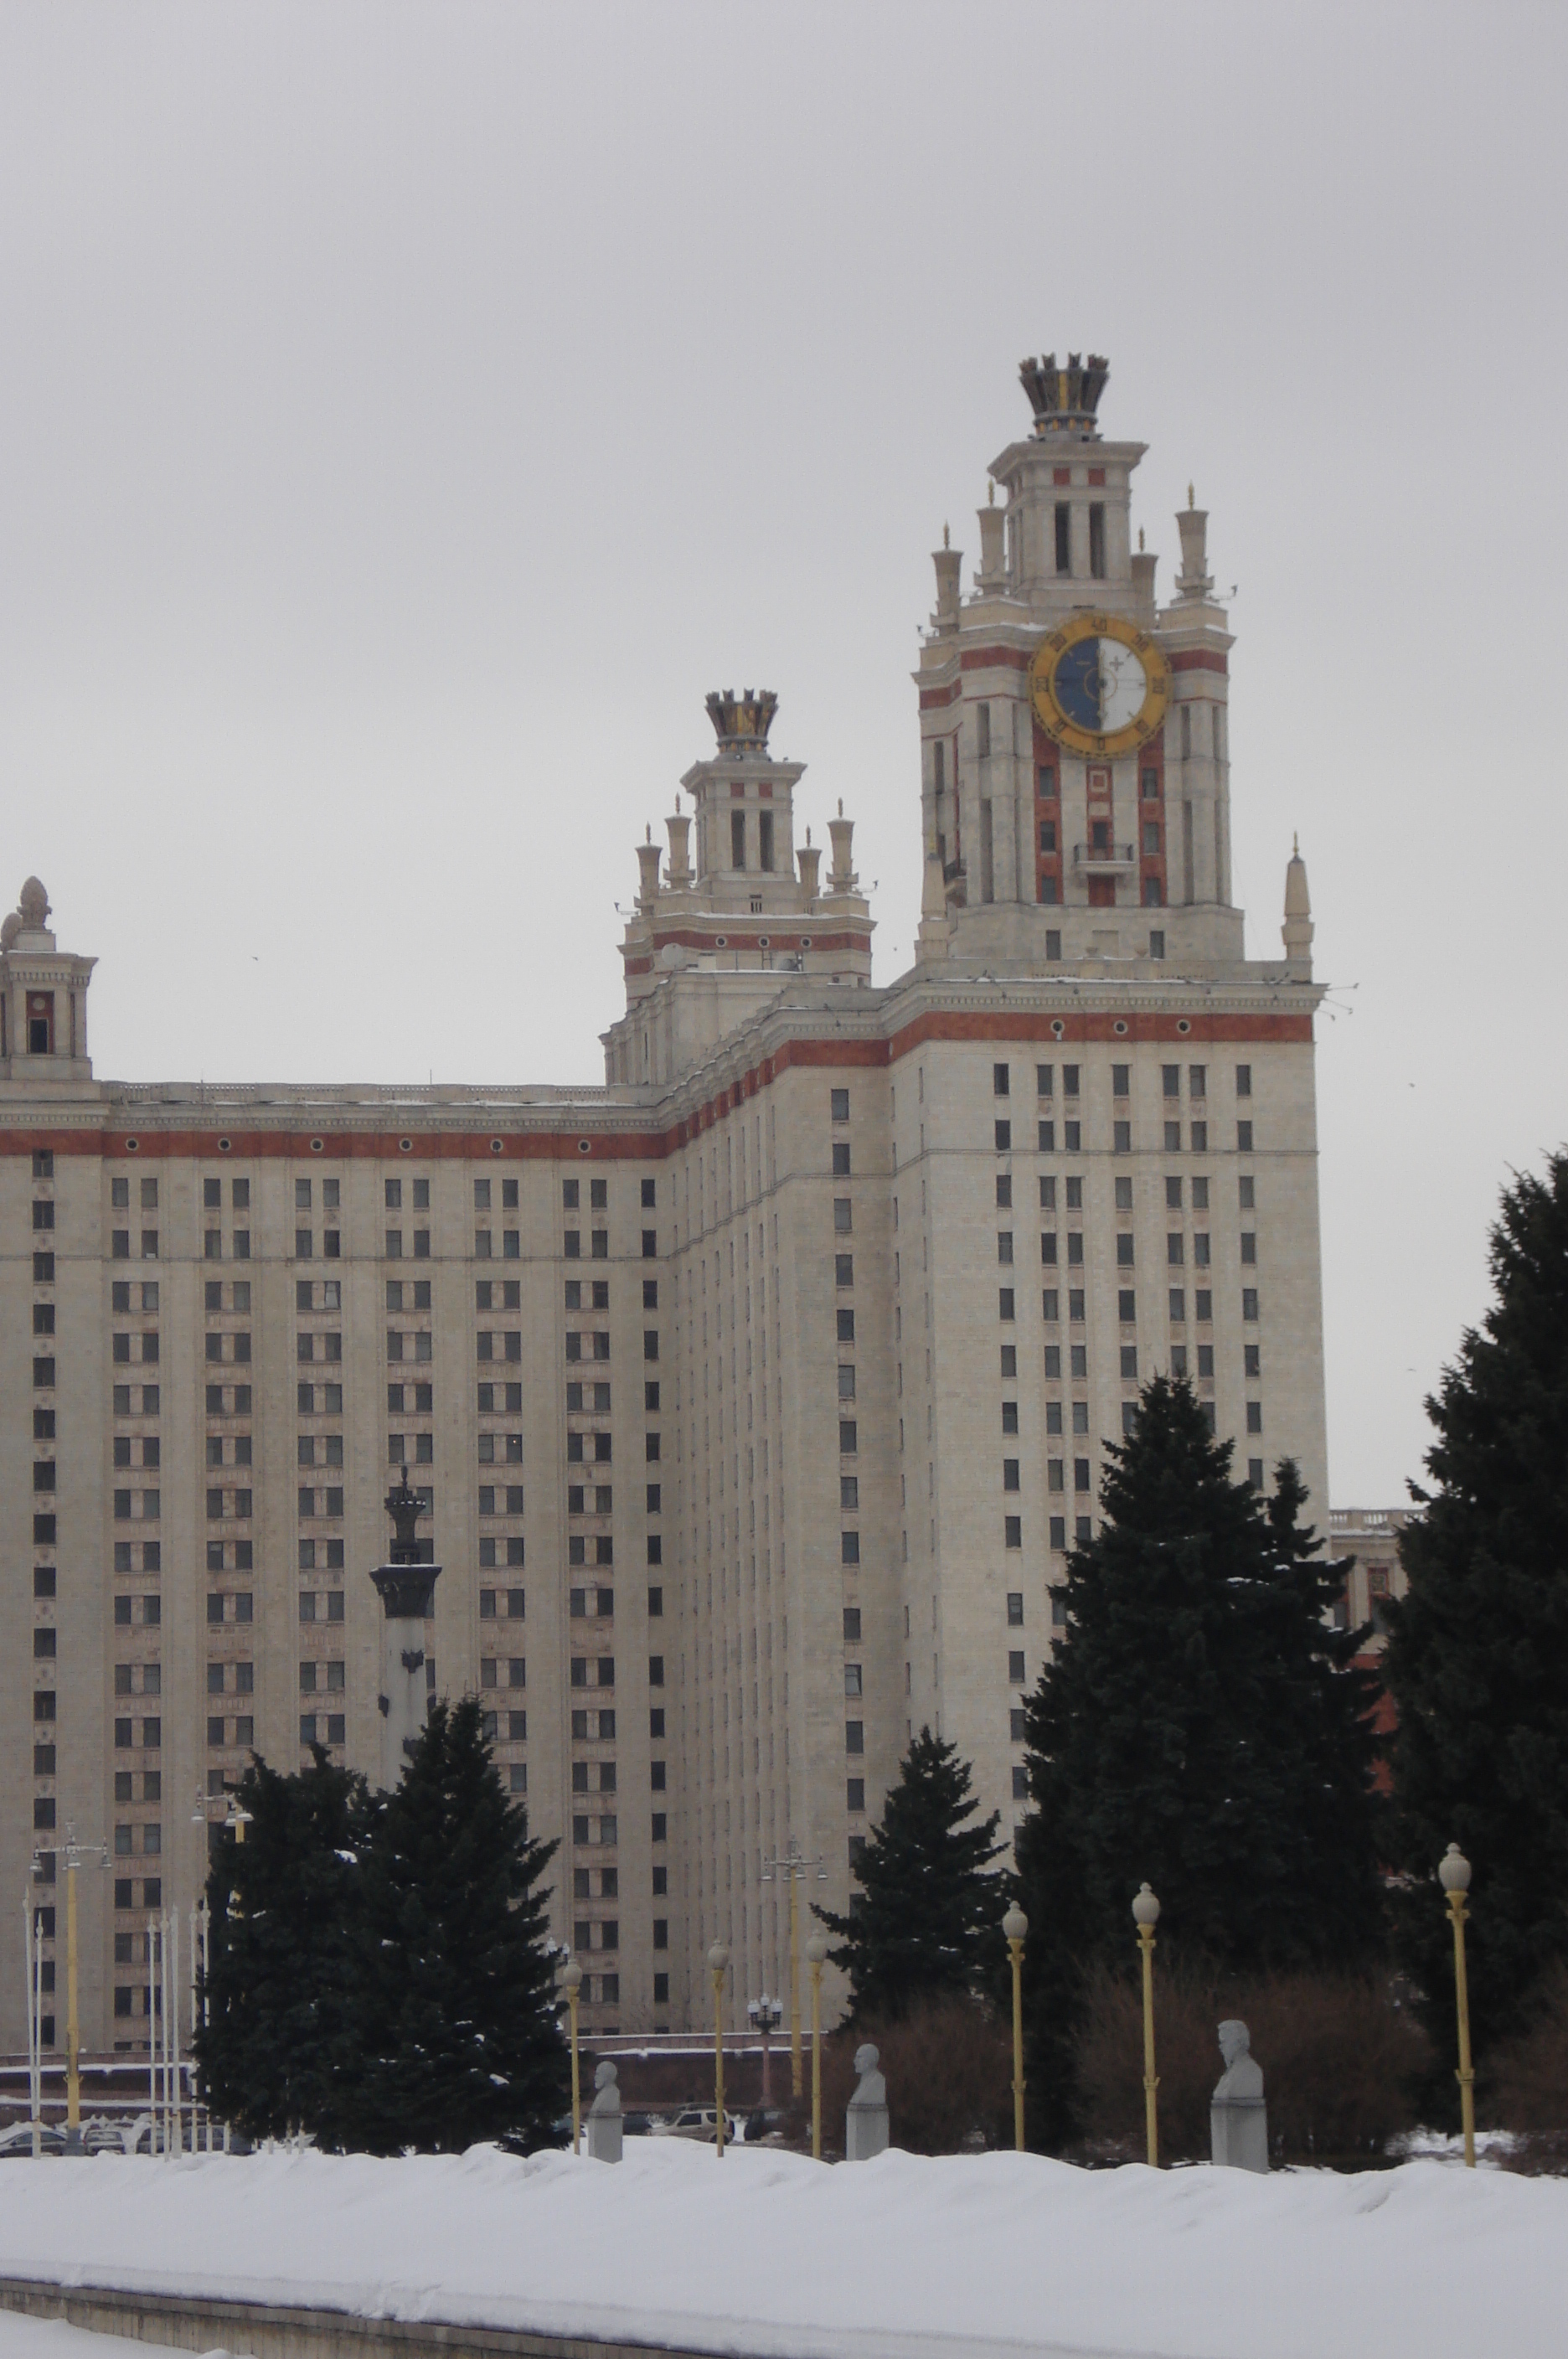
(1097, 539)
(1063, 538)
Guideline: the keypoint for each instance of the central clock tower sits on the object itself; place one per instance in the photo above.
(1075, 774)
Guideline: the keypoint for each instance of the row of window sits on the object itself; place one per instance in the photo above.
(1175, 1194)
(1051, 1311)
(1121, 1081)
(1121, 1138)
(1175, 1248)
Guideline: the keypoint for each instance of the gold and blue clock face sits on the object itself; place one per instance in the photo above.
(1099, 685)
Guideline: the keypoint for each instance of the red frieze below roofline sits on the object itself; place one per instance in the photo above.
(857, 938)
(570, 1143)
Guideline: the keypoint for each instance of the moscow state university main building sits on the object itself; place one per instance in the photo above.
(756, 1395)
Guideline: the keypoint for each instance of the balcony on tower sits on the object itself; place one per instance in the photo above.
(1101, 857)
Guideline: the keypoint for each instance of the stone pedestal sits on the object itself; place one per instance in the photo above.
(1239, 2133)
(1238, 2118)
(866, 2123)
(605, 2115)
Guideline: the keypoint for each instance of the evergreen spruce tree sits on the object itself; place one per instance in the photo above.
(1201, 1727)
(924, 1924)
(278, 2051)
(459, 2031)
(1478, 1659)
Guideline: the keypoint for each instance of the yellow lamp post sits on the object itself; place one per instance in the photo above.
(571, 1976)
(75, 1853)
(816, 1952)
(1146, 1916)
(1015, 1925)
(718, 1961)
(792, 1866)
(1453, 1874)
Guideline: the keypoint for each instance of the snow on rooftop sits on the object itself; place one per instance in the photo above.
(767, 2254)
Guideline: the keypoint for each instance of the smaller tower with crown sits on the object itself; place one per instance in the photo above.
(43, 1000)
(741, 912)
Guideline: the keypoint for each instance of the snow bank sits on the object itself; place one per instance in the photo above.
(776, 2258)
(41, 2338)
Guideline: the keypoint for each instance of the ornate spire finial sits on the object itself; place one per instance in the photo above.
(741, 723)
(1140, 540)
(946, 537)
(991, 493)
(1192, 501)
(1064, 401)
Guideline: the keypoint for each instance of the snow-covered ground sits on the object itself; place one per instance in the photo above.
(38, 2338)
(765, 2254)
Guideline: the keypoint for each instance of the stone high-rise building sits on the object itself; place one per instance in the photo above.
(756, 1395)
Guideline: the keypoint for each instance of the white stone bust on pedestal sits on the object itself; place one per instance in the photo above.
(1239, 2119)
(605, 2115)
(865, 2124)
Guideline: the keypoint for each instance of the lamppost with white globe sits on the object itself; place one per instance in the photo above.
(1015, 1925)
(1453, 1874)
(1146, 1916)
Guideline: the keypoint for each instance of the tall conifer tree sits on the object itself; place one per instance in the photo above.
(924, 1924)
(460, 2032)
(279, 2051)
(1477, 1661)
(1202, 1726)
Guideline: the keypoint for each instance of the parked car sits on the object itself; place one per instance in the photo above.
(19, 2140)
(696, 2122)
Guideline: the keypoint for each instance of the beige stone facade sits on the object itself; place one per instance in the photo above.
(760, 1392)
(1369, 1539)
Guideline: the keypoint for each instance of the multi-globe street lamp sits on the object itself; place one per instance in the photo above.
(765, 2014)
(792, 1866)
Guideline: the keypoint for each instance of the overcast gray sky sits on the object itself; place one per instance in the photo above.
(408, 412)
